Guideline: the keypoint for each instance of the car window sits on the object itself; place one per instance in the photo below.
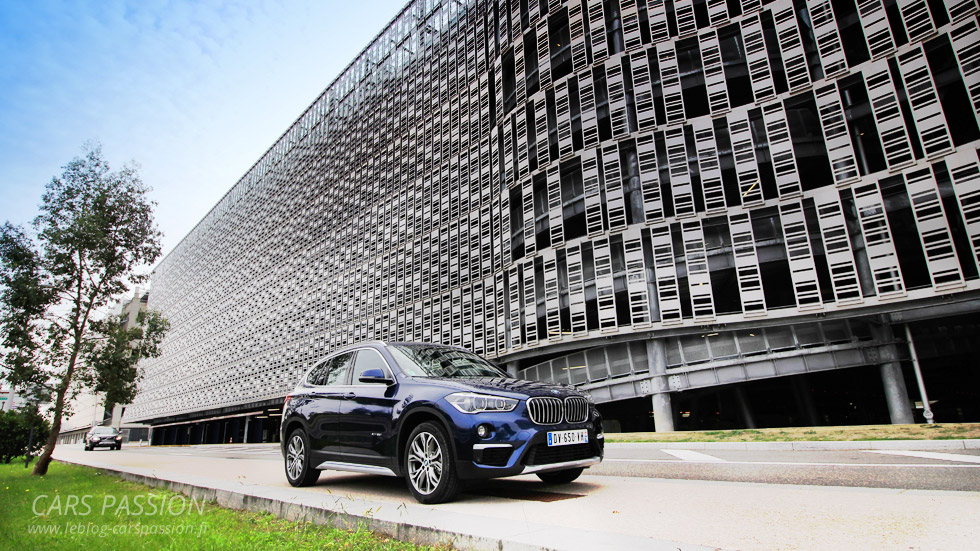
(104, 430)
(330, 372)
(367, 358)
(337, 370)
(317, 374)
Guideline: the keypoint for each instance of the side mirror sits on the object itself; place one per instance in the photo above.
(375, 376)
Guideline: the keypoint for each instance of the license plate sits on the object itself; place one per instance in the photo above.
(567, 437)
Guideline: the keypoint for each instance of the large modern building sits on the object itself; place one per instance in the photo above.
(707, 213)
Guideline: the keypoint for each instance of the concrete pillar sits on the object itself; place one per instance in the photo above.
(926, 408)
(892, 379)
(512, 368)
(663, 413)
(743, 407)
(257, 427)
(245, 436)
(896, 395)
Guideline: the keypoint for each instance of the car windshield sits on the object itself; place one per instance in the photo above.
(420, 360)
(103, 430)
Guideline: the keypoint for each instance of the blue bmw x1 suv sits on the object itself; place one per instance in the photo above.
(435, 415)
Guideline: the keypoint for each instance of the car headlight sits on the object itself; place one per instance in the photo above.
(588, 397)
(469, 402)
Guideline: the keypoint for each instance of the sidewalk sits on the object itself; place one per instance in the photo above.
(408, 521)
(595, 513)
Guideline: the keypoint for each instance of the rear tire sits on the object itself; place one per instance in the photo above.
(299, 471)
(560, 477)
(430, 467)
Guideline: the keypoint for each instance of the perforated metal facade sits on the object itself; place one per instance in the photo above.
(522, 178)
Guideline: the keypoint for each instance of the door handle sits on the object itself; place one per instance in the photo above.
(350, 396)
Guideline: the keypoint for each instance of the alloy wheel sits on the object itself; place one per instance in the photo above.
(425, 463)
(295, 455)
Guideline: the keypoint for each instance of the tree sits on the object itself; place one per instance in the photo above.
(95, 231)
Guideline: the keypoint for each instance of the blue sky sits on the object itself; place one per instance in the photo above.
(193, 92)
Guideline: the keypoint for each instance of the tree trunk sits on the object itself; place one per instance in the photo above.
(41, 467)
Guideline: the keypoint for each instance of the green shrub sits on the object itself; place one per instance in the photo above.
(15, 430)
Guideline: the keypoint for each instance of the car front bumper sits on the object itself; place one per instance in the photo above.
(581, 463)
(527, 452)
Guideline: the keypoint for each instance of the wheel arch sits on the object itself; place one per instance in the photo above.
(291, 425)
(414, 418)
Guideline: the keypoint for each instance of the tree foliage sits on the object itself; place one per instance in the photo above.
(25, 299)
(113, 356)
(95, 231)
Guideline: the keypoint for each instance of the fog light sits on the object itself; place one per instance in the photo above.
(483, 431)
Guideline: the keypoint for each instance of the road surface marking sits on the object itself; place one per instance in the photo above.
(793, 463)
(931, 455)
(688, 455)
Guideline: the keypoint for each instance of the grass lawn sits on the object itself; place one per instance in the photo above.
(78, 508)
(949, 431)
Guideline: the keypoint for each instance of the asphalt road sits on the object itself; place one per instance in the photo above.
(903, 469)
(947, 470)
(729, 499)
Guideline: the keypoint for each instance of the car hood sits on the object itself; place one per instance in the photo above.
(507, 385)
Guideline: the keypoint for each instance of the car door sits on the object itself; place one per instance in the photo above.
(365, 425)
(326, 392)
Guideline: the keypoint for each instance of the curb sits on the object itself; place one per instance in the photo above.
(426, 525)
(972, 444)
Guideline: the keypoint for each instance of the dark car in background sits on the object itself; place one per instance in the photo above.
(435, 415)
(103, 436)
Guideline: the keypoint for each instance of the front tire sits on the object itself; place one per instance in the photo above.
(560, 477)
(430, 466)
(299, 471)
